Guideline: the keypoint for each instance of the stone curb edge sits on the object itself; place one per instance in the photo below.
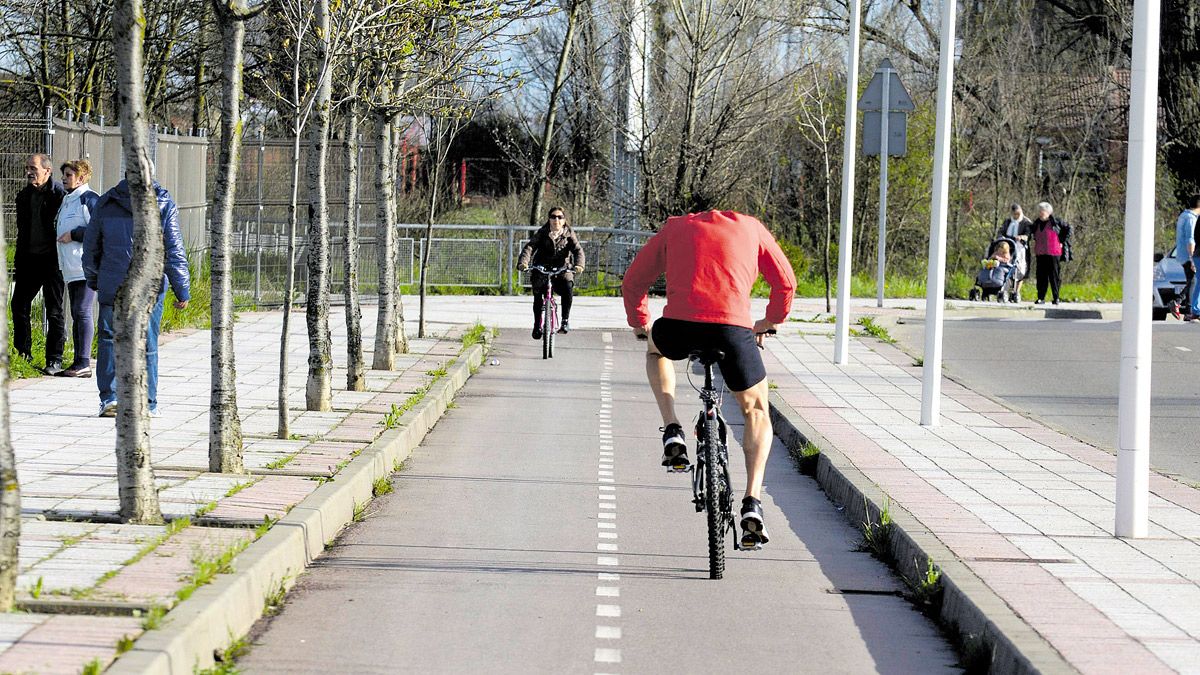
(970, 610)
(221, 612)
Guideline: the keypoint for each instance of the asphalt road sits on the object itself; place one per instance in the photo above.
(517, 542)
(1067, 373)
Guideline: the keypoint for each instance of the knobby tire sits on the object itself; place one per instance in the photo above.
(712, 501)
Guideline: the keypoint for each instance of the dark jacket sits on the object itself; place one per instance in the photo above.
(544, 251)
(52, 193)
(1025, 227)
(108, 244)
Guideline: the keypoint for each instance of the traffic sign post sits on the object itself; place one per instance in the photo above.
(886, 102)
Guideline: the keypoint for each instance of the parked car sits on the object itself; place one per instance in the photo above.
(1169, 280)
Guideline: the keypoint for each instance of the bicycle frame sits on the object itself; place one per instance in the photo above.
(711, 414)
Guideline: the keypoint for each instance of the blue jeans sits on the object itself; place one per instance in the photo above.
(106, 364)
(84, 325)
(1194, 301)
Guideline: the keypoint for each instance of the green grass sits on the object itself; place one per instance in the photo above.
(869, 327)
(36, 591)
(392, 419)
(124, 644)
(240, 486)
(93, 667)
(360, 512)
(806, 458)
(154, 618)
(205, 568)
(282, 461)
(226, 659)
(273, 602)
(477, 334)
(437, 373)
(877, 535)
(382, 486)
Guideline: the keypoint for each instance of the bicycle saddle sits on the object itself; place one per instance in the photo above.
(708, 357)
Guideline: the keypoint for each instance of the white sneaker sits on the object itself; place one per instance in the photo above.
(108, 409)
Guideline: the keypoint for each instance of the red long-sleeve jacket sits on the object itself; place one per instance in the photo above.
(711, 261)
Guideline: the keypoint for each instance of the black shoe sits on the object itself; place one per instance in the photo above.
(53, 368)
(1039, 302)
(565, 328)
(76, 371)
(537, 332)
(1054, 303)
(754, 531)
(674, 449)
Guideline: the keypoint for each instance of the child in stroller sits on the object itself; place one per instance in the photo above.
(999, 272)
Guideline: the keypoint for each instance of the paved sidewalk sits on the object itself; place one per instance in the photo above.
(118, 573)
(1028, 509)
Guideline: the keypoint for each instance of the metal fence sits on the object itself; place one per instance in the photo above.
(179, 161)
(478, 258)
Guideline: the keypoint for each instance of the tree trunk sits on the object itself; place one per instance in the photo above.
(384, 357)
(318, 392)
(437, 154)
(560, 75)
(356, 379)
(1179, 81)
(10, 488)
(683, 162)
(400, 339)
(224, 426)
(289, 284)
(136, 297)
(199, 103)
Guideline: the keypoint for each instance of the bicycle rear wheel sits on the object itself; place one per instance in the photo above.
(548, 329)
(712, 506)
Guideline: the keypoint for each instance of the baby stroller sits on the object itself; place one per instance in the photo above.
(998, 278)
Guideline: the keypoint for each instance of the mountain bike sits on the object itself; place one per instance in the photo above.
(712, 491)
(549, 310)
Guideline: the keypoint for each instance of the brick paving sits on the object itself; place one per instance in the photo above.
(67, 470)
(1028, 509)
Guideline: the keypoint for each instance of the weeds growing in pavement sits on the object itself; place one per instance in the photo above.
(154, 618)
(240, 486)
(36, 591)
(282, 461)
(806, 457)
(816, 318)
(473, 336)
(926, 591)
(392, 419)
(226, 658)
(206, 568)
(875, 330)
(438, 373)
(93, 667)
(382, 486)
(124, 644)
(877, 535)
(360, 512)
(273, 603)
(918, 362)
(262, 527)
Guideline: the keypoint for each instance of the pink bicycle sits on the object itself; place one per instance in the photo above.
(550, 321)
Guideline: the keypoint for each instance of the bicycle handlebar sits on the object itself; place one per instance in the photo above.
(548, 272)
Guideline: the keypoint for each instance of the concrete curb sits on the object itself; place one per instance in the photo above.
(974, 615)
(223, 611)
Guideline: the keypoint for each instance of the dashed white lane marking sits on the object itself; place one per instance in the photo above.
(606, 527)
(1183, 349)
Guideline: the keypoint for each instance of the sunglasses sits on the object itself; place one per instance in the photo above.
(558, 217)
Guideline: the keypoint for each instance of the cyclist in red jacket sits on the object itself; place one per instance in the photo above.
(711, 261)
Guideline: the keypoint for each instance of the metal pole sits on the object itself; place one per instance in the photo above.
(258, 237)
(883, 182)
(841, 341)
(1133, 409)
(931, 384)
(49, 141)
(511, 268)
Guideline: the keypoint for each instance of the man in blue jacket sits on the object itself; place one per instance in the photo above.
(107, 251)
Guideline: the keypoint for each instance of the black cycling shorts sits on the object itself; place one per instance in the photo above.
(742, 366)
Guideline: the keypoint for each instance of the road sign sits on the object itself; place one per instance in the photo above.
(873, 134)
(898, 98)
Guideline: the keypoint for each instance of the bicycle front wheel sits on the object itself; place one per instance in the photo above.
(712, 501)
(548, 329)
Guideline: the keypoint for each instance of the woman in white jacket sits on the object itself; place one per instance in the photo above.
(73, 218)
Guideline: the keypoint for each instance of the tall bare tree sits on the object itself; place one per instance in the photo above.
(356, 375)
(224, 425)
(318, 392)
(10, 487)
(137, 295)
(560, 76)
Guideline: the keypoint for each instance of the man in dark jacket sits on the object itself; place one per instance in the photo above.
(35, 265)
(107, 252)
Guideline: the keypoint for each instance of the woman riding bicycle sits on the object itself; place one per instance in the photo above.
(553, 247)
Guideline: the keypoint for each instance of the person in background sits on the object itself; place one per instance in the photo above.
(1185, 251)
(35, 264)
(73, 217)
(1018, 228)
(107, 252)
(1050, 233)
(553, 246)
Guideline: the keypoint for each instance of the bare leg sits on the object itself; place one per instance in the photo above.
(660, 371)
(756, 439)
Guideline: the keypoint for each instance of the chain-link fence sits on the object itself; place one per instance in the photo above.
(474, 258)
